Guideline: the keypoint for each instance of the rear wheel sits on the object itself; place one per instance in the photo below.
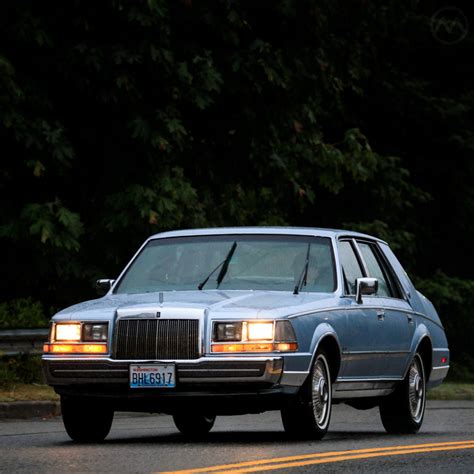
(194, 424)
(309, 416)
(86, 421)
(403, 411)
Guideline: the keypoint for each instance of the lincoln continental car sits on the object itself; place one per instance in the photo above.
(229, 321)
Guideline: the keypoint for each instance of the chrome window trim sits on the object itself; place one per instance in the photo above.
(377, 258)
(387, 264)
(360, 257)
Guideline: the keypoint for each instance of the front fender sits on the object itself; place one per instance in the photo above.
(298, 365)
(322, 331)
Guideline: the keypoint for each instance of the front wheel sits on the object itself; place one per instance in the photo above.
(86, 421)
(403, 411)
(309, 416)
(194, 424)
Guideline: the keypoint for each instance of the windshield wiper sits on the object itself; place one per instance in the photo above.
(304, 273)
(224, 264)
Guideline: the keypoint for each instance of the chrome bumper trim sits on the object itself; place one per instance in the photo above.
(293, 378)
(438, 373)
(73, 370)
(81, 358)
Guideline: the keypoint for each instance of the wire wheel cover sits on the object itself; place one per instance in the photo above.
(321, 396)
(416, 390)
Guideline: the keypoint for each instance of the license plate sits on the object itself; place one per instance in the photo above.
(152, 376)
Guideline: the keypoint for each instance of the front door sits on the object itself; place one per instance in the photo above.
(362, 348)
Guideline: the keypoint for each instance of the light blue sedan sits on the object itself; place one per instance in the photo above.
(229, 321)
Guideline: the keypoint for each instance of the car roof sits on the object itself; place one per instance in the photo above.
(264, 230)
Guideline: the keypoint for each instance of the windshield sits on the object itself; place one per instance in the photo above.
(232, 262)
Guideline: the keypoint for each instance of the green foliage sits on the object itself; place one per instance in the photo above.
(128, 118)
(23, 368)
(23, 313)
(169, 201)
(53, 224)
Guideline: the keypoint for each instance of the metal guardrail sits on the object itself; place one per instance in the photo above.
(22, 341)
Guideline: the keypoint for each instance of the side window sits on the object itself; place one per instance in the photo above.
(375, 269)
(401, 281)
(350, 266)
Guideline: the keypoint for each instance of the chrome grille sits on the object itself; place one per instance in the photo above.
(157, 339)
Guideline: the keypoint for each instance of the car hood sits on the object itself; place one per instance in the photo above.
(216, 303)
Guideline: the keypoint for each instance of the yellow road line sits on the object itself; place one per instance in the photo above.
(344, 458)
(332, 456)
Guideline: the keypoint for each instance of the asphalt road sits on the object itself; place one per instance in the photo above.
(356, 442)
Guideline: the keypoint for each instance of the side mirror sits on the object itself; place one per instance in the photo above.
(366, 287)
(103, 286)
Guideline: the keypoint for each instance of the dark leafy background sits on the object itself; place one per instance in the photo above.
(119, 119)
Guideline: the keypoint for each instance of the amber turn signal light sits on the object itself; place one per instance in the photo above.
(286, 346)
(261, 347)
(266, 347)
(75, 348)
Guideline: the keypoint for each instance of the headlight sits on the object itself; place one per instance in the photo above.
(68, 332)
(260, 331)
(95, 332)
(243, 331)
(77, 338)
(253, 336)
(228, 331)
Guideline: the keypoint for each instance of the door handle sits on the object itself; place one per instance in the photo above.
(410, 318)
(381, 315)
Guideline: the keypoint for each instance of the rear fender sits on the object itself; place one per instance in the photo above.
(421, 333)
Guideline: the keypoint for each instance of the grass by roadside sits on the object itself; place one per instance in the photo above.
(24, 392)
(452, 391)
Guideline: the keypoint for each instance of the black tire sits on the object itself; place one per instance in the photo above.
(86, 421)
(403, 411)
(310, 414)
(194, 424)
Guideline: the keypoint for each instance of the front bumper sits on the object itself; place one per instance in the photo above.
(219, 385)
(202, 371)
